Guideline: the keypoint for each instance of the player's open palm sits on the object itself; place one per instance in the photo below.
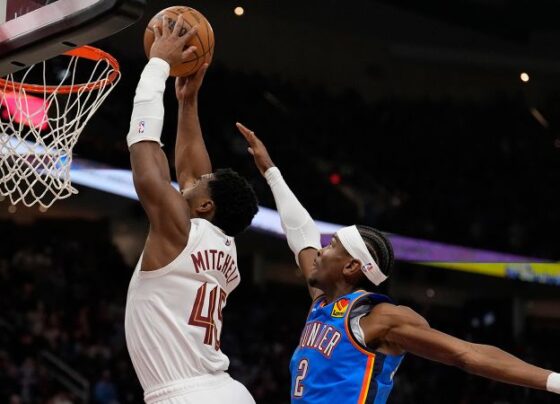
(169, 44)
(256, 148)
(186, 88)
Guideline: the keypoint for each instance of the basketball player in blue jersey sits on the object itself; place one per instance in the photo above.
(188, 268)
(354, 341)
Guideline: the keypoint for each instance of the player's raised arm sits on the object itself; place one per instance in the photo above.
(167, 210)
(302, 234)
(191, 157)
(398, 327)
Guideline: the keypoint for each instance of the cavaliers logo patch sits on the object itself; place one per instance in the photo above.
(340, 307)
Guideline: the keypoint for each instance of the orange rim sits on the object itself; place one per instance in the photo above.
(84, 52)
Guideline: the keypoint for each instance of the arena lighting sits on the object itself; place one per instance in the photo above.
(239, 11)
(119, 182)
(34, 112)
(524, 77)
(417, 251)
(528, 271)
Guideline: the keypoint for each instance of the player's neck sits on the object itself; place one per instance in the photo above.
(206, 216)
(337, 291)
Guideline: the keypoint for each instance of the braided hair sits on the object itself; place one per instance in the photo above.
(380, 249)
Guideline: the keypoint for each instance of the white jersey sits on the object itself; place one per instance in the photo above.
(173, 315)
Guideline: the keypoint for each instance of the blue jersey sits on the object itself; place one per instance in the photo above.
(331, 366)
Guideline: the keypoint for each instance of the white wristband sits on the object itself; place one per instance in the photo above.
(553, 383)
(146, 123)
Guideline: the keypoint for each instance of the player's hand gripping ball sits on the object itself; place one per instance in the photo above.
(203, 40)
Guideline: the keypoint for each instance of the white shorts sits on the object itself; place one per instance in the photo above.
(218, 388)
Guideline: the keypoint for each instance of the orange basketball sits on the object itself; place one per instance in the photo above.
(203, 40)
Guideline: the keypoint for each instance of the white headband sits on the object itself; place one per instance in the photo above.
(354, 243)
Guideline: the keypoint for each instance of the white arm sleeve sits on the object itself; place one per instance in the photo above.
(298, 225)
(146, 123)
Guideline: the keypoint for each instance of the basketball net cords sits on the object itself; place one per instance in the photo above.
(35, 166)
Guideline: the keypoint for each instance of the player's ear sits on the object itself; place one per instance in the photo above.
(351, 267)
(205, 206)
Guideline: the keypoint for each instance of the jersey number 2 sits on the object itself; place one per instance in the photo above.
(303, 367)
(217, 297)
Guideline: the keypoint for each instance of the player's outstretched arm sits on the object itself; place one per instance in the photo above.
(166, 209)
(398, 327)
(191, 157)
(303, 235)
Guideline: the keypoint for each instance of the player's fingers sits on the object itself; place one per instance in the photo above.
(201, 72)
(245, 130)
(190, 34)
(251, 151)
(166, 31)
(178, 26)
(157, 32)
(249, 135)
(187, 54)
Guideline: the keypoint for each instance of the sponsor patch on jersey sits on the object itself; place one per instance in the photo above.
(141, 126)
(340, 307)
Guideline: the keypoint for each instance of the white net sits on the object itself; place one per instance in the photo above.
(40, 125)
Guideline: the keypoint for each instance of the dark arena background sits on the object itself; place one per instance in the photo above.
(437, 122)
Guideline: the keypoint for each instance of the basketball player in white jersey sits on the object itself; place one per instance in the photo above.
(188, 267)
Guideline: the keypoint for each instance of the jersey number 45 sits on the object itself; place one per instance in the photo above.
(217, 297)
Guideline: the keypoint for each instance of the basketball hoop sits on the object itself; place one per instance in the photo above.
(40, 124)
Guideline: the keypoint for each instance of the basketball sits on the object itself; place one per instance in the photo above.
(204, 39)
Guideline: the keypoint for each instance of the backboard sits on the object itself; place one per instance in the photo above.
(36, 30)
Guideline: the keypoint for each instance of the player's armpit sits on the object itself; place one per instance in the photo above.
(306, 257)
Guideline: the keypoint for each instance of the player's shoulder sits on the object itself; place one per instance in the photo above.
(205, 224)
(378, 304)
(397, 314)
(364, 301)
(208, 229)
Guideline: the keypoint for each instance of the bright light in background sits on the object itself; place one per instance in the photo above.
(29, 110)
(239, 11)
(524, 77)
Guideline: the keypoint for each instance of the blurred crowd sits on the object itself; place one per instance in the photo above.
(475, 173)
(62, 294)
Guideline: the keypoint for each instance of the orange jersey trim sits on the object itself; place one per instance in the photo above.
(367, 380)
